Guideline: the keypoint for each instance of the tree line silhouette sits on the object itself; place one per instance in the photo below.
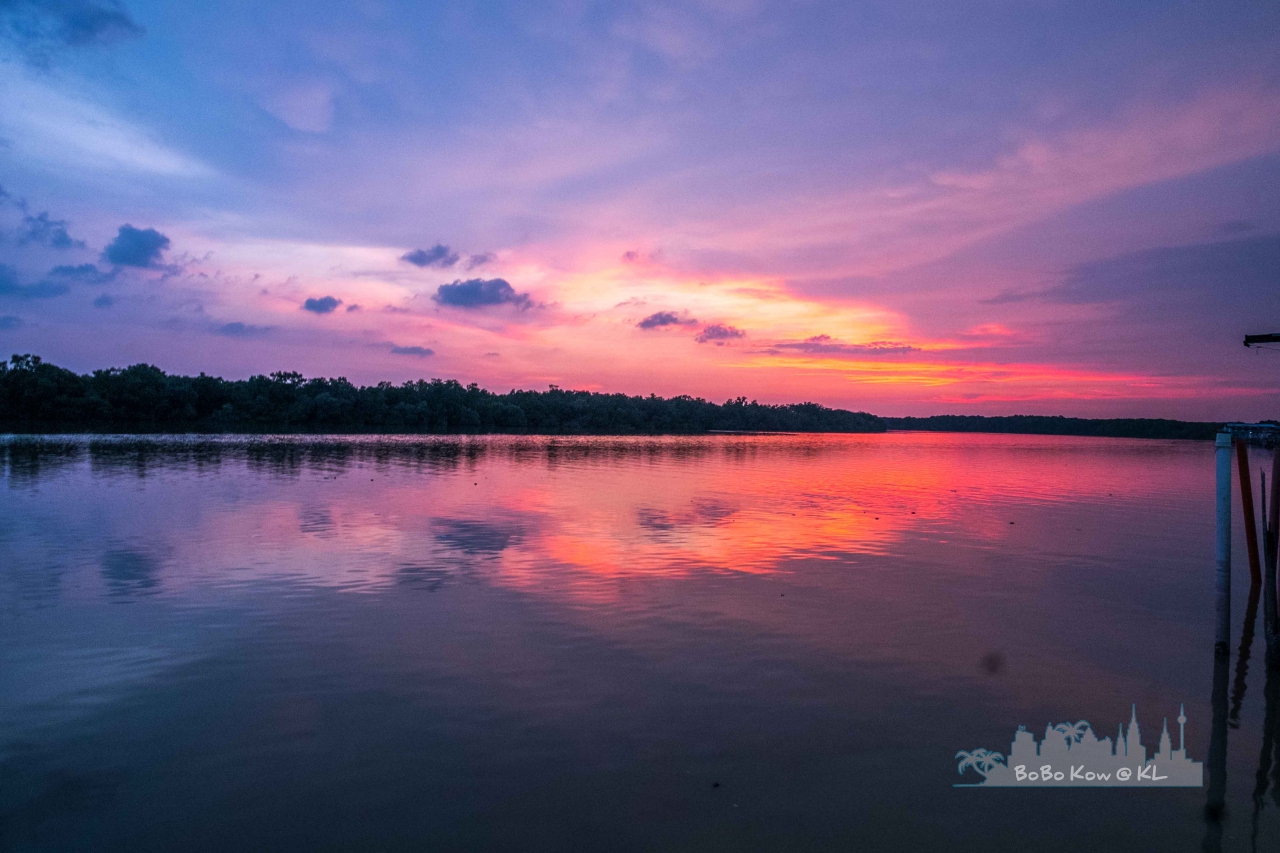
(39, 397)
(36, 397)
(1059, 425)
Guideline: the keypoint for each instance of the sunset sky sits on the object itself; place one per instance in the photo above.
(906, 208)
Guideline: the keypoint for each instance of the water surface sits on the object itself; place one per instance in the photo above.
(515, 643)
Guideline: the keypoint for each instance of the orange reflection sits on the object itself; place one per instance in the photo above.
(581, 518)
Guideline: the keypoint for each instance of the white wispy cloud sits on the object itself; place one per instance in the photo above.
(56, 123)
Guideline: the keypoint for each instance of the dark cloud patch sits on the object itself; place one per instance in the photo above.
(42, 230)
(104, 301)
(480, 260)
(438, 255)
(826, 345)
(481, 293)
(322, 305)
(136, 247)
(82, 273)
(419, 352)
(664, 318)
(9, 321)
(718, 333)
(476, 536)
(630, 256)
(11, 285)
(42, 25)
(243, 330)
(351, 308)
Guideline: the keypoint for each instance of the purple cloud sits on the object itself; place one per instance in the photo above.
(419, 352)
(323, 305)
(663, 318)
(481, 293)
(719, 332)
(136, 247)
(438, 255)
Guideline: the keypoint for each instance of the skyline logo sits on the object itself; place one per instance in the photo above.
(1072, 755)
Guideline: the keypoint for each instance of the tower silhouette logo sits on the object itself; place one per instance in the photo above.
(1071, 755)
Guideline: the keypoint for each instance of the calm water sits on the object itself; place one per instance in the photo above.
(729, 643)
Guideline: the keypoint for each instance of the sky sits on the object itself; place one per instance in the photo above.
(907, 208)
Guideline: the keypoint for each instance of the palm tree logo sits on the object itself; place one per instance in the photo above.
(1073, 731)
(981, 760)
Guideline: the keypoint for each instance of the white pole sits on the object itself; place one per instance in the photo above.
(1223, 453)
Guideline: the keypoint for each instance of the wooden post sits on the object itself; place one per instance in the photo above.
(1246, 504)
(1273, 523)
(1222, 453)
(1270, 618)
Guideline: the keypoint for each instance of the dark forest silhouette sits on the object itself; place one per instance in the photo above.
(1058, 425)
(39, 397)
(36, 396)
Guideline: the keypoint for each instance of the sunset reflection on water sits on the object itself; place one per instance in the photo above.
(636, 612)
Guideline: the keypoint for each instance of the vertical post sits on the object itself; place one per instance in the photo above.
(1270, 619)
(1246, 504)
(1215, 806)
(1273, 523)
(1222, 452)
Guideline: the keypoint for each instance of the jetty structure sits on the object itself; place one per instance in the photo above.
(1240, 437)
(1236, 439)
(1262, 561)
